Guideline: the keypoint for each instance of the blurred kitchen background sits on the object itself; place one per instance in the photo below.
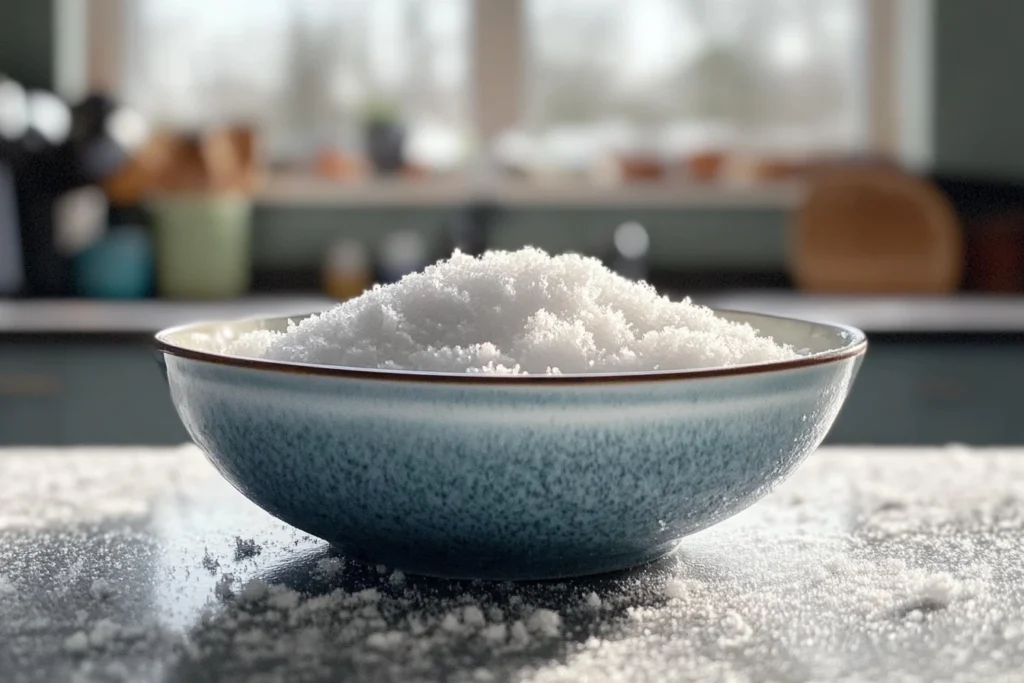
(165, 161)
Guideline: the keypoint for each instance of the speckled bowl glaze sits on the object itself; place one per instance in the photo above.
(497, 477)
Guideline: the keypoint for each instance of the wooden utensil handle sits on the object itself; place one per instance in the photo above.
(29, 385)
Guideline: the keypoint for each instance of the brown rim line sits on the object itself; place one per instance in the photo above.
(857, 347)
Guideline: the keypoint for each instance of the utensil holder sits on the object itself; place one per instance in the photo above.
(202, 246)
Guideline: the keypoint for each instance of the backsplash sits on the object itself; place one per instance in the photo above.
(741, 239)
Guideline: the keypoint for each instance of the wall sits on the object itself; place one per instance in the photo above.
(729, 239)
(978, 98)
(26, 41)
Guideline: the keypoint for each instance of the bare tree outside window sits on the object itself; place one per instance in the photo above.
(672, 74)
(305, 71)
(772, 74)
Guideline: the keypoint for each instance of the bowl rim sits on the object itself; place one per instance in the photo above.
(857, 346)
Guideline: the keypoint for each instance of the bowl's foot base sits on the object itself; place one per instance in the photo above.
(519, 567)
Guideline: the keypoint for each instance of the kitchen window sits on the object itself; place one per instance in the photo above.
(306, 72)
(594, 90)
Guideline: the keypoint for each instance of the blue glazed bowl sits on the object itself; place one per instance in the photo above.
(498, 477)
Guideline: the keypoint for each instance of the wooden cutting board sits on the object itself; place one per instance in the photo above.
(875, 230)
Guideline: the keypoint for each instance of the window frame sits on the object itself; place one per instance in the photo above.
(90, 48)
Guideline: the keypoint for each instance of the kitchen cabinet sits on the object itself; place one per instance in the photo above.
(32, 396)
(936, 392)
(928, 390)
(94, 392)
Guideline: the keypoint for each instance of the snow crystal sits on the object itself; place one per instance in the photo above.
(101, 589)
(246, 548)
(104, 632)
(545, 622)
(385, 641)
(473, 617)
(329, 567)
(210, 564)
(223, 590)
(77, 642)
(495, 634)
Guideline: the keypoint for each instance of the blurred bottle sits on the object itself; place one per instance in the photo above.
(56, 149)
(402, 252)
(120, 265)
(13, 124)
(346, 271)
(630, 251)
(469, 230)
(11, 274)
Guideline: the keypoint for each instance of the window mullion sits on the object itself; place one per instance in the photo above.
(107, 44)
(497, 52)
(882, 29)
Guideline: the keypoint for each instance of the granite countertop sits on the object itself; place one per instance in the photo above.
(867, 565)
(970, 314)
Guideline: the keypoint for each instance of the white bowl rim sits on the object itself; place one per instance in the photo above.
(856, 345)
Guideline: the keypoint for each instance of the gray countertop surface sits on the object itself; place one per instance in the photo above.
(891, 314)
(80, 316)
(867, 565)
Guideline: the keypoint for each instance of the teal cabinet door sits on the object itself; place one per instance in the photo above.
(105, 393)
(82, 393)
(120, 397)
(33, 394)
(935, 393)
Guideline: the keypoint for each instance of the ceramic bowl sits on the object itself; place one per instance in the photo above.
(498, 477)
